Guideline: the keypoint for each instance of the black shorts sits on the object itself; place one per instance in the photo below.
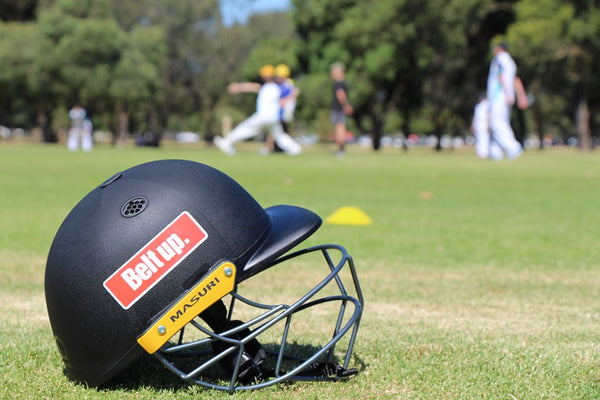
(337, 116)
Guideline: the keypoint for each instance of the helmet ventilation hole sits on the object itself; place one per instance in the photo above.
(133, 207)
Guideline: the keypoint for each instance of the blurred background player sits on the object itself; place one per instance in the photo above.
(523, 102)
(80, 131)
(87, 142)
(266, 116)
(501, 95)
(340, 106)
(480, 127)
(289, 96)
(485, 145)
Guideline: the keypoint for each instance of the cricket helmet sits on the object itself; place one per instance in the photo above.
(266, 71)
(282, 71)
(151, 262)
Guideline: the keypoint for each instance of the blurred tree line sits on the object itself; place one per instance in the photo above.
(153, 66)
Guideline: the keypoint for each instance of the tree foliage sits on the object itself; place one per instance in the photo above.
(561, 64)
(156, 66)
(18, 54)
(405, 58)
(17, 10)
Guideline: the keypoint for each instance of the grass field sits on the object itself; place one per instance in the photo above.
(481, 279)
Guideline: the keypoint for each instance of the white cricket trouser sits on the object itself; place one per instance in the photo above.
(486, 146)
(77, 135)
(482, 141)
(502, 132)
(255, 124)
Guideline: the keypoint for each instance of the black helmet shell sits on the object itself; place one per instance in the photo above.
(96, 334)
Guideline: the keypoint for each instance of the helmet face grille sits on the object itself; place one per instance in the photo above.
(133, 207)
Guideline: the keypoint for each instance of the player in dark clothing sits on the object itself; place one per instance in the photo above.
(340, 106)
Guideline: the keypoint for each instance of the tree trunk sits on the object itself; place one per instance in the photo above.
(376, 116)
(582, 122)
(48, 135)
(377, 133)
(405, 127)
(122, 125)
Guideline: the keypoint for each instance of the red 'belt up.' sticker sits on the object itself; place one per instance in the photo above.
(155, 260)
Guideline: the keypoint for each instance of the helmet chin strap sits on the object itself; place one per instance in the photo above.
(215, 316)
(326, 370)
(249, 360)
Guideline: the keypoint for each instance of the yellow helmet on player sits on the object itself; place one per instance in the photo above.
(266, 71)
(282, 71)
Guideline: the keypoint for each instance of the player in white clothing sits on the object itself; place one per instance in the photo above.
(267, 116)
(80, 130)
(485, 146)
(501, 95)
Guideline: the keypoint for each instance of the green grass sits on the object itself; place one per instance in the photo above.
(481, 279)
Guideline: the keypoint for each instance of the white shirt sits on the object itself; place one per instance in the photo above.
(502, 64)
(77, 115)
(267, 101)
